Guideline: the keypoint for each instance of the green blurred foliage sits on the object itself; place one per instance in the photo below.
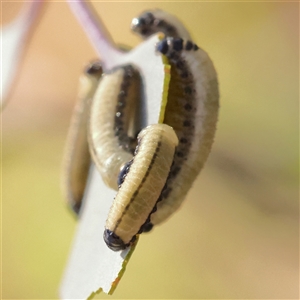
(236, 235)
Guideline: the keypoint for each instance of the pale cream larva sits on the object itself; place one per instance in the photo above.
(146, 176)
(76, 157)
(113, 107)
(192, 107)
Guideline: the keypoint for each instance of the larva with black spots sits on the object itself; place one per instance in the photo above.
(192, 107)
(144, 181)
(112, 108)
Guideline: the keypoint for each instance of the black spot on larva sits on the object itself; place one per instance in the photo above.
(118, 123)
(186, 123)
(170, 28)
(118, 129)
(141, 22)
(180, 154)
(183, 140)
(124, 172)
(188, 107)
(147, 227)
(145, 31)
(189, 45)
(113, 241)
(149, 18)
(180, 64)
(125, 84)
(175, 171)
(159, 23)
(188, 90)
(177, 44)
(173, 55)
(167, 190)
(184, 75)
(162, 47)
(195, 47)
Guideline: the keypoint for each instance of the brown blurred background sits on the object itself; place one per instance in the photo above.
(237, 235)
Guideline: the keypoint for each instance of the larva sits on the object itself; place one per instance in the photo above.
(76, 155)
(113, 107)
(192, 107)
(145, 179)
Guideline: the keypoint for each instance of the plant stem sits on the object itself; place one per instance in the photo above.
(96, 31)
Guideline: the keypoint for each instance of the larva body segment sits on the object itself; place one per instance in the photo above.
(76, 155)
(192, 107)
(113, 104)
(142, 186)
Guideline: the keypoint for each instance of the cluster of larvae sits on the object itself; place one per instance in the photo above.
(154, 169)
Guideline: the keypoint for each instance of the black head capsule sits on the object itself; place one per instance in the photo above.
(147, 227)
(143, 25)
(94, 68)
(113, 242)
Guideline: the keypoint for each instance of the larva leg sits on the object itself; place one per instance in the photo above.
(114, 102)
(141, 186)
(76, 156)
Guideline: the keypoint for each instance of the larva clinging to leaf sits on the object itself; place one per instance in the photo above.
(192, 107)
(77, 158)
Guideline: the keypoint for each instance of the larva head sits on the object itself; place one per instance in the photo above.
(154, 21)
(113, 242)
(89, 79)
(94, 69)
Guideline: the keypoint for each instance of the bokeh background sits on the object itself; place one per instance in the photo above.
(237, 235)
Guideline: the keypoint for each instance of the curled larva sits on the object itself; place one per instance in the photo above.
(76, 157)
(192, 107)
(144, 180)
(112, 108)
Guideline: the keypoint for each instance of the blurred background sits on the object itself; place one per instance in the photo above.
(237, 235)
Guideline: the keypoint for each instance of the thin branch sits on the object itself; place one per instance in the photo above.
(95, 30)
